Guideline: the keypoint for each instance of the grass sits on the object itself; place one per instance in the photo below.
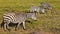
(48, 23)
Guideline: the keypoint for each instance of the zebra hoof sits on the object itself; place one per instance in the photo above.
(24, 28)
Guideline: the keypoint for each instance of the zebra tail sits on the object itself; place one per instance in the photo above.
(2, 24)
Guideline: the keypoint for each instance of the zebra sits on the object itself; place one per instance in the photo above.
(40, 8)
(46, 5)
(37, 9)
(17, 18)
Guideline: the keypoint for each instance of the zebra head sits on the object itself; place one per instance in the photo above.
(31, 15)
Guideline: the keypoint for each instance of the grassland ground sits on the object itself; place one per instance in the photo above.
(48, 23)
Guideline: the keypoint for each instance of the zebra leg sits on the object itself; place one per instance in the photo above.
(24, 26)
(43, 11)
(5, 26)
(8, 25)
(17, 26)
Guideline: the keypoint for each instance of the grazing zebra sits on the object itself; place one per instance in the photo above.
(46, 5)
(17, 18)
(40, 8)
(37, 9)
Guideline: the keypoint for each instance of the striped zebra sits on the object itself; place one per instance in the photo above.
(46, 5)
(17, 18)
(40, 8)
(37, 9)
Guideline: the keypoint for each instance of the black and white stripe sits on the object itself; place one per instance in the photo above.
(37, 9)
(17, 18)
(7, 17)
(40, 8)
